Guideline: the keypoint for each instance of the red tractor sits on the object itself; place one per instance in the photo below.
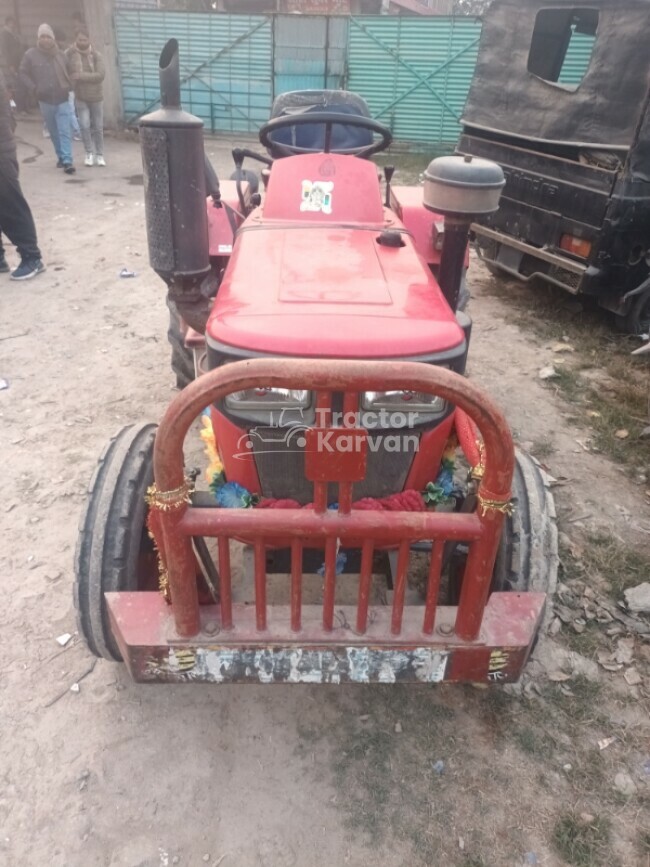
(368, 517)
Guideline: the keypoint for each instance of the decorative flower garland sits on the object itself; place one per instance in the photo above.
(232, 495)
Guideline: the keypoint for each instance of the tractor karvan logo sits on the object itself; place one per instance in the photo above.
(264, 439)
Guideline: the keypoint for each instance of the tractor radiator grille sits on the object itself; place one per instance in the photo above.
(281, 465)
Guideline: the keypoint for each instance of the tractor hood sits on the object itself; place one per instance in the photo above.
(330, 291)
(308, 275)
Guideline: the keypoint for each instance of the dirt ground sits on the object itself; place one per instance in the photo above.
(118, 775)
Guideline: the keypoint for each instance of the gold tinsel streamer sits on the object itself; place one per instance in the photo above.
(504, 506)
(167, 501)
(478, 471)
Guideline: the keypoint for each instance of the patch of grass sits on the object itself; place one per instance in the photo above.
(586, 643)
(569, 383)
(581, 705)
(602, 554)
(581, 844)
(588, 776)
(543, 448)
(618, 388)
(644, 842)
(534, 742)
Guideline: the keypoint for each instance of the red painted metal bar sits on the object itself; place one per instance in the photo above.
(323, 408)
(387, 528)
(320, 498)
(350, 420)
(329, 588)
(345, 498)
(433, 586)
(329, 376)
(365, 583)
(477, 578)
(296, 584)
(399, 588)
(181, 572)
(225, 582)
(323, 419)
(260, 585)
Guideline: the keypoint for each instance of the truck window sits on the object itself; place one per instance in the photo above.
(562, 44)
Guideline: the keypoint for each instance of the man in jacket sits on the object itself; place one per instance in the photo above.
(86, 72)
(11, 53)
(43, 70)
(16, 220)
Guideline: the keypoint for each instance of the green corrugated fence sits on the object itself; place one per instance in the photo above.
(414, 72)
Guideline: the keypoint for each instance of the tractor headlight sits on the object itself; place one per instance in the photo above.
(267, 398)
(402, 401)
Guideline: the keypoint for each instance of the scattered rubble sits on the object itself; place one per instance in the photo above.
(638, 598)
(624, 784)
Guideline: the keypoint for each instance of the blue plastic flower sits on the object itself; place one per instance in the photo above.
(341, 560)
(232, 495)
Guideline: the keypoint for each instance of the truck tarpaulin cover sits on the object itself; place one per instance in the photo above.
(608, 108)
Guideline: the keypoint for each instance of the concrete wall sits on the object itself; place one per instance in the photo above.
(31, 13)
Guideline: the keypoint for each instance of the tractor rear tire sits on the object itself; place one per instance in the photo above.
(528, 555)
(182, 360)
(113, 540)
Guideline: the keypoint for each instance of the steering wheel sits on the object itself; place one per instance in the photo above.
(328, 119)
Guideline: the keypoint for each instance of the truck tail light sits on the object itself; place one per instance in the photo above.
(577, 246)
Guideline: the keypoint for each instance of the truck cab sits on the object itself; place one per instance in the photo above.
(560, 100)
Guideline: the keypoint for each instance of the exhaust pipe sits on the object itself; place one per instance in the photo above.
(173, 162)
(169, 76)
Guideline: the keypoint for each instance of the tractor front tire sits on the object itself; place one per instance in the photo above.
(113, 546)
(528, 556)
(182, 360)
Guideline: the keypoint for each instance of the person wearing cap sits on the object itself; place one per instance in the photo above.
(44, 72)
(86, 71)
(16, 221)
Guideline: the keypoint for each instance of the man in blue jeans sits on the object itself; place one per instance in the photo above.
(43, 71)
(16, 221)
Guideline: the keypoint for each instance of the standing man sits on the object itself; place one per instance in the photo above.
(11, 53)
(16, 220)
(43, 70)
(86, 72)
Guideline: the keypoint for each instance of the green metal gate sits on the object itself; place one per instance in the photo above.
(414, 72)
(226, 65)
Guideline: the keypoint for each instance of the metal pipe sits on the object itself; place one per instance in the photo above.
(170, 76)
(452, 258)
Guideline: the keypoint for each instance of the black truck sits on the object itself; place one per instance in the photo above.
(561, 100)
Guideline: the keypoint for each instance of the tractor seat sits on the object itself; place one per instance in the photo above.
(298, 102)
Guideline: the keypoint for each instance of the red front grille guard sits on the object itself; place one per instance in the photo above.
(479, 640)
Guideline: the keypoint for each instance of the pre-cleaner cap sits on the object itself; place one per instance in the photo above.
(463, 186)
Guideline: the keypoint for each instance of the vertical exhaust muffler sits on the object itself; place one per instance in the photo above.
(173, 162)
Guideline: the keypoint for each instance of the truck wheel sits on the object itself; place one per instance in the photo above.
(528, 556)
(637, 319)
(114, 551)
(494, 270)
(182, 360)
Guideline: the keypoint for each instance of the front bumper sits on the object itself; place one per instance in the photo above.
(154, 653)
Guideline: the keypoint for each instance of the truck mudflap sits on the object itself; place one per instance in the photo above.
(484, 638)
(153, 652)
